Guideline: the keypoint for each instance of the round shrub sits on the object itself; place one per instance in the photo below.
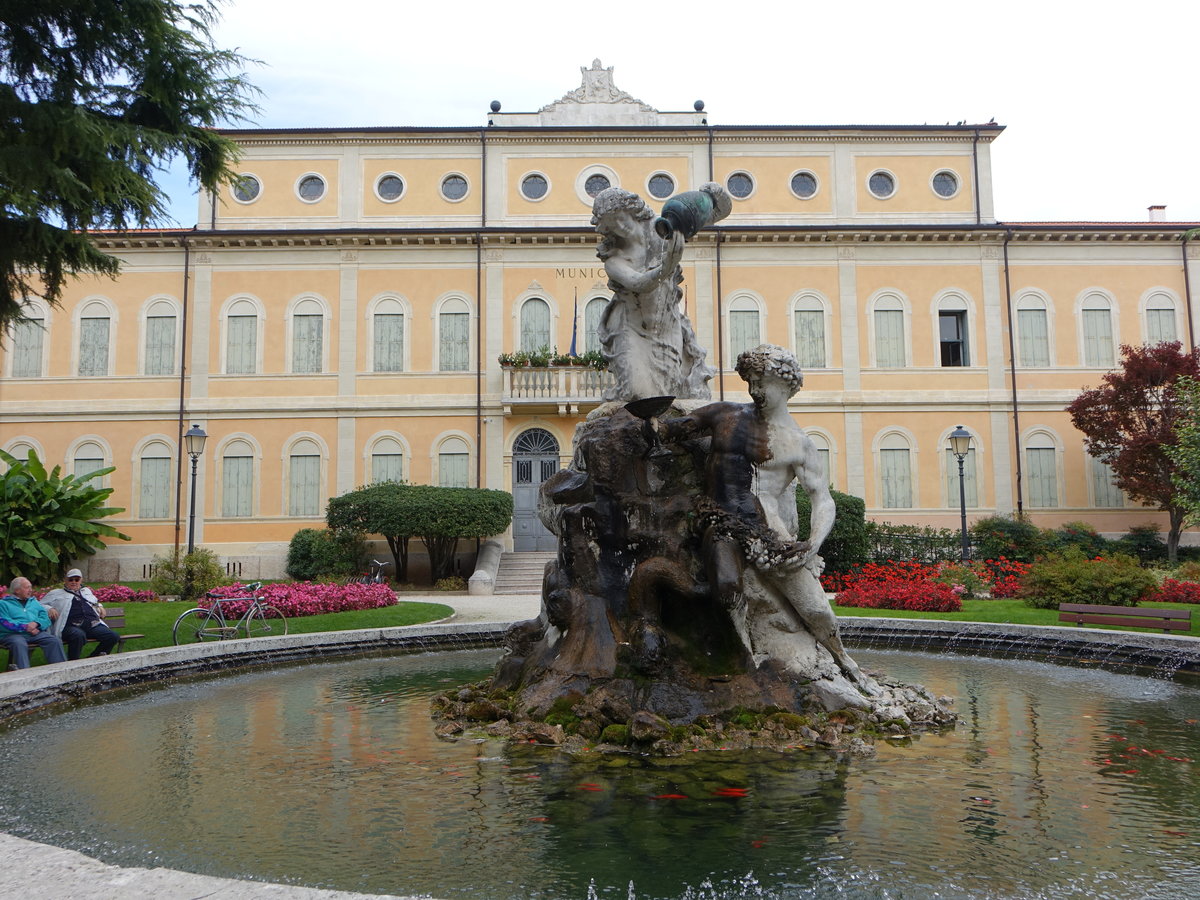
(324, 552)
(188, 577)
(1073, 577)
(1143, 542)
(1012, 538)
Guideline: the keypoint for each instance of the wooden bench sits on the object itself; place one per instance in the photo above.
(1126, 616)
(115, 619)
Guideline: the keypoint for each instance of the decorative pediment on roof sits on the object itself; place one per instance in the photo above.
(597, 101)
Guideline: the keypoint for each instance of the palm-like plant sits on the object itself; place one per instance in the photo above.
(47, 520)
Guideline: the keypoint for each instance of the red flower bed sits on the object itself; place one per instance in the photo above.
(1173, 591)
(303, 598)
(1006, 575)
(898, 585)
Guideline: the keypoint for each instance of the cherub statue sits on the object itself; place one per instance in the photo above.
(648, 341)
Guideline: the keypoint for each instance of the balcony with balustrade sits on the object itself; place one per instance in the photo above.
(567, 390)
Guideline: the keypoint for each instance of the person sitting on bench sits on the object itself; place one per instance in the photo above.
(25, 622)
(80, 617)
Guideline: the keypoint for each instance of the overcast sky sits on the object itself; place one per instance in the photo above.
(1098, 99)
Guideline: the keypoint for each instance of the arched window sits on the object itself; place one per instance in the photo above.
(890, 341)
(895, 472)
(1105, 493)
(237, 479)
(953, 337)
(159, 357)
(308, 319)
(154, 495)
(970, 477)
(454, 458)
(1160, 319)
(809, 318)
(1097, 332)
(387, 328)
(535, 324)
(1041, 470)
(387, 461)
(88, 457)
(591, 319)
(745, 327)
(95, 335)
(27, 349)
(454, 335)
(823, 454)
(241, 338)
(304, 479)
(1033, 331)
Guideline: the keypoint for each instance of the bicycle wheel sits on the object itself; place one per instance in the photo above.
(196, 626)
(265, 621)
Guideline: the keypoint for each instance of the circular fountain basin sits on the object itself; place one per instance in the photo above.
(1057, 782)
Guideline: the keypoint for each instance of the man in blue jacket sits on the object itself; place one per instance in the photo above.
(24, 621)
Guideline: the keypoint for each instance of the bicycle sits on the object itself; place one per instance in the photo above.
(200, 624)
(374, 576)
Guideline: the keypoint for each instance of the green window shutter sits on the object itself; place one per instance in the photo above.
(591, 329)
(237, 486)
(743, 332)
(1097, 338)
(970, 483)
(389, 342)
(535, 325)
(387, 467)
(154, 502)
(160, 345)
(241, 352)
(1043, 476)
(1106, 493)
(84, 465)
(454, 336)
(304, 487)
(306, 344)
(1035, 337)
(823, 456)
(889, 338)
(810, 338)
(895, 479)
(1160, 326)
(93, 347)
(453, 470)
(27, 342)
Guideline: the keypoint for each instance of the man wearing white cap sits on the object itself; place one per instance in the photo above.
(80, 617)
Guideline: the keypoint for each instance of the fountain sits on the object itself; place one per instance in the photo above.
(681, 595)
(679, 615)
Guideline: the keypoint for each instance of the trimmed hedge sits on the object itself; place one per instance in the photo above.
(846, 546)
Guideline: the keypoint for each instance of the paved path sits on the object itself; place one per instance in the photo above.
(50, 873)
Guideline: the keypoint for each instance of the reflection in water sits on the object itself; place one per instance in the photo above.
(1057, 782)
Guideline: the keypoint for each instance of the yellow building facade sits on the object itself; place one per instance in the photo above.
(337, 315)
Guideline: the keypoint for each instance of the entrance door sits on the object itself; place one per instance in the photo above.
(535, 458)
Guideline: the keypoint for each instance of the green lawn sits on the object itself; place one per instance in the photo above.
(155, 620)
(1009, 612)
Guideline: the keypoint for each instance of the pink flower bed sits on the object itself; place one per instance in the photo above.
(304, 598)
(114, 594)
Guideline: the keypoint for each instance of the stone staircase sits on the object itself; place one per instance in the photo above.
(521, 573)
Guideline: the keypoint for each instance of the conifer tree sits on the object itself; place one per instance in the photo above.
(96, 96)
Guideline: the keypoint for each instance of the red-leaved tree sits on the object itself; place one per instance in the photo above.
(1131, 418)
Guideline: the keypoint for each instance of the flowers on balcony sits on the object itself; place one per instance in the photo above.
(545, 357)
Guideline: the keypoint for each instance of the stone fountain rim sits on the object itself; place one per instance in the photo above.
(44, 686)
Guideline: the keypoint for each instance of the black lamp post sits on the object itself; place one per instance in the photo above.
(960, 444)
(194, 440)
